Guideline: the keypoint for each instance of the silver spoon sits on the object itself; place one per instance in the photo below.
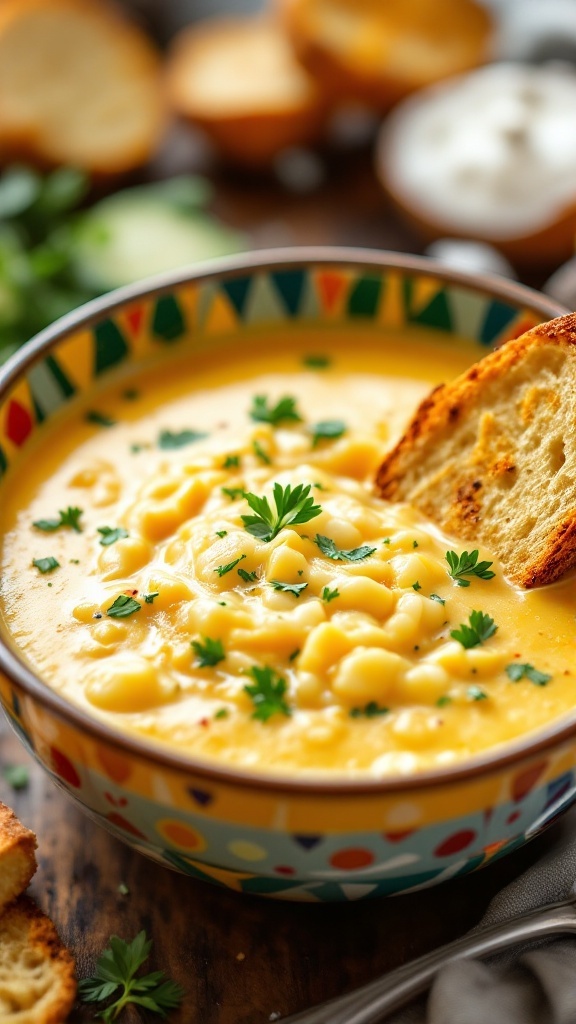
(374, 1001)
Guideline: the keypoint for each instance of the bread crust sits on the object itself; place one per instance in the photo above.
(17, 856)
(464, 463)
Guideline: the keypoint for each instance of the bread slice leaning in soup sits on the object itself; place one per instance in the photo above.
(491, 457)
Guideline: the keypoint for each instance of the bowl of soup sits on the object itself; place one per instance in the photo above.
(216, 637)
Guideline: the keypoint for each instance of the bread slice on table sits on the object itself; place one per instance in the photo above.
(37, 984)
(491, 457)
(17, 858)
(79, 84)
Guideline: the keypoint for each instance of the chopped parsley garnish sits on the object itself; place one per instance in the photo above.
(168, 440)
(115, 975)
(386, 540)
(443, 701)
(289, 588)
(45, 564)
(231, 462)
(327, 430)
(99, 418)
(481, 628)
(284, 410)
(267, 693)
(109, 534)
(294, 655)
(328, 548)
(222, 713)
(17, 776)
(123, 889)
(370, 710)
(223, 569)
(293, 506)
(475, 693)
(69, 517)
(149, 598)
(436, 597)
(330, 595)
(316, 362)
(515, 672)
(467, 564)
(261, 454)
(208, 651)
(221, 533)
(233, 492)
(319, 486)
(416, 586)
(123, 607)
(248, 577)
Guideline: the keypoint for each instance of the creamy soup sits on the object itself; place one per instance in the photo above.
(197, 556)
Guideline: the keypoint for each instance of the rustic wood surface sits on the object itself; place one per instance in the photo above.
(242, 959)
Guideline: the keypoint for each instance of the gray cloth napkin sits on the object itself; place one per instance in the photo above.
(533, 984)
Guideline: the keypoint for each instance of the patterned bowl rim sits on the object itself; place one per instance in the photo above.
(264, 260)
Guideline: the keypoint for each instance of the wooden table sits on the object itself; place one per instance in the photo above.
(242, 959)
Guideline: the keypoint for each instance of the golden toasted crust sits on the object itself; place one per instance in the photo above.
(491, 457)
(37, 982)
(17, 858)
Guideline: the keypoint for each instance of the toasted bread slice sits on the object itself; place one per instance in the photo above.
(491, 457)
(378, 52)
(17, 858)
(238, 80)
(79, 85)
(37, 983)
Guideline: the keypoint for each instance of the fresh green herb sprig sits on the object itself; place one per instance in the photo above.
(208, 651)
(116, 976)
(481, 627)
(284, 411)
(467, 564)
(289, 588)
(67, 517)
(516, 671)
(267, 693)
(329, 548)
(110, 534)
(293, 506)
(122, 607)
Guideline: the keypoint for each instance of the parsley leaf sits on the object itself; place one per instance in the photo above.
(149, 598)
(222, 713)
(17, 776)
(284, 410)
(45, 564)
(316, 362)
(99, 418)
(467, 564)
(289, 588)
(481, 628)
(267, 693)
(123, 607)
(223, 569)
(416, 586)
(208, 651)
(515, 672)
(330, 595)
(221, 533)
(69, 517)
(109, 534)
(370, 710)
(231, 462)
(248, 577)
(261, 454)
(233, 492)
(169, 441)
(436, 597)
(327, 430)
(475, 693)
(443, 701)
(115, 975)
(293, 506)
(328, 548)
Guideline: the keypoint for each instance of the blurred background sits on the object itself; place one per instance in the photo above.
(150, 134)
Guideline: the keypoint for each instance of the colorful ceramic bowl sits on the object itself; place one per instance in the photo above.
(291, 839)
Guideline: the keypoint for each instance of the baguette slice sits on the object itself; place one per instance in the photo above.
(37, 983)
(17, 858)
(491, 457)
(79, 85)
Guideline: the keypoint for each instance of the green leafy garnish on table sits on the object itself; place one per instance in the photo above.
(45, 564)
(170, 440)
(327, 430)
(370, 710)
(116, 976)
(110, 534)
(17, 776)
(516, 671)
(293, 506)
(223, 569)
(328, 548)
(284, 411)
(467, 564)
(288, 588)
(267, 693)
(123, 607)
(68, 517)
(481, 627)
(208, 651)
